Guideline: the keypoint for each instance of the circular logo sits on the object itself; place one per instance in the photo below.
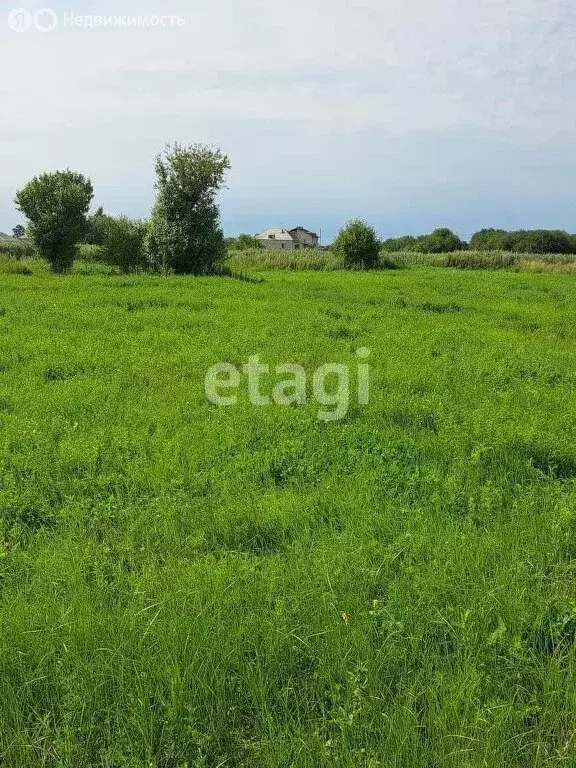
(45, 20)
(19, 20)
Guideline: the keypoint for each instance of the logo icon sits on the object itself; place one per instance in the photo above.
(20, 20)
(45, 20)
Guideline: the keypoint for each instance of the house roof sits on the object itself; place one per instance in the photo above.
(303, 229)
(274, 233)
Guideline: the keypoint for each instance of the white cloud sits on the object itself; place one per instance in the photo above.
(329, 100)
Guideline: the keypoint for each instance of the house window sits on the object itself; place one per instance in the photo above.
(271, 237)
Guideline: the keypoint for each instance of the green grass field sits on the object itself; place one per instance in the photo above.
(187, 586)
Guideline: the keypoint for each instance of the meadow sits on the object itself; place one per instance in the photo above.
(191, 586)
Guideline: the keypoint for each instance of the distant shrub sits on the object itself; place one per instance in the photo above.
(539, 241)
(543, 241)
(489, 240)
(95, 227)
(387, 262)
(439, 241)
(56, 205)
(122, 242)
(357, 244)
(245, 242)
(400, 244)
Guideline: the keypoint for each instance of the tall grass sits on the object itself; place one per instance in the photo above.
(488, 260)
(325, 260)
(312, 259)
(21, 249)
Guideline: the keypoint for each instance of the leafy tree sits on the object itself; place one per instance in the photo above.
(96, 222)
(541, 241)
(245, 242)
(440, 241)
(396, 244)
(185, 234)
(523, 241)
(489, 240)
(18, 231)
(56, 205)
(357, 244)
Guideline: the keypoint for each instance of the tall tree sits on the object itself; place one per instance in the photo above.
(185, 235)
(56, 206)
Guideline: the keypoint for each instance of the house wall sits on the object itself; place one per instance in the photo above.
(304, 238)
(277, 245)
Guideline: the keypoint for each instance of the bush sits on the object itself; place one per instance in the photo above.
(244, 243)
(185, 234)
(358, 245)
(91, 254)
(489, 240)
(122, 242)
(399, 244)
(439, 241)
(524, 241)
(56, 205)
(94, 231)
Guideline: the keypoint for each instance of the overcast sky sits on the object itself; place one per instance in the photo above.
(411, 113)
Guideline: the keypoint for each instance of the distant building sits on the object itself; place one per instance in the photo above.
(305, 237)
(276, 238)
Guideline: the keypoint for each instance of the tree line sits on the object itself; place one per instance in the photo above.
(184, 235)
(537, 241)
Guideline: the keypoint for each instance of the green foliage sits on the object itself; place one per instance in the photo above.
(95, 226)
(400, 244)
(18, 231)
(122, 242)
(185, 236)
(20, 249)
(357, 244)
(538, 241)
(245, 242)
(489, 240)
(56, 205)
(440, 241)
